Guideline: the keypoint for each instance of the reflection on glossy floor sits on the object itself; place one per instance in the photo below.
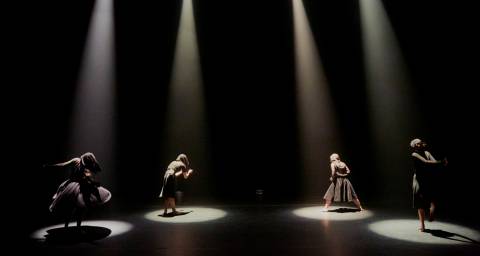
(260, 230)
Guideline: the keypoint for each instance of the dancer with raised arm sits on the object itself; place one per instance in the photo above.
(80, 192)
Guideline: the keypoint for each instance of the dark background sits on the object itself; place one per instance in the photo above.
(246, 51)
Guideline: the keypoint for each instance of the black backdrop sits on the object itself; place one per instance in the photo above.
(246, 51)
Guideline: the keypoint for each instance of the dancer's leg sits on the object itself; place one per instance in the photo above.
(165, 206)
(431, 215)
(421, 217)
(328, 202)
(357, 203)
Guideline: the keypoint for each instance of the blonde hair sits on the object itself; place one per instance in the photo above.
(415, 142)
(334, 157)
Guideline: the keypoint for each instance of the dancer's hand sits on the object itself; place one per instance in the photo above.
(76, 162)
(187, 174)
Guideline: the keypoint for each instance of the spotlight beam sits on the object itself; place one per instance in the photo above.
(317, 125)
(392, 105)
(186, 130)
(93, 112)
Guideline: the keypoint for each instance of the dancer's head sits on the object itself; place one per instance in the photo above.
(90, 162)
(334, 157)
(417, 144)
(183, 158)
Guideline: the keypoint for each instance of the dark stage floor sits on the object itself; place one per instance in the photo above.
(260, 230)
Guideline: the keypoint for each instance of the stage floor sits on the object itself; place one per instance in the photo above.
(258, 230)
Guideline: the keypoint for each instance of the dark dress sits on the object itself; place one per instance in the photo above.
(424, 181)
(169, 185)
(341, 189)
(78, 191)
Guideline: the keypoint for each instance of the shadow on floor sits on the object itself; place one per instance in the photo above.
(72, 235)
(172, 214)
(344, 210)
(451, 236)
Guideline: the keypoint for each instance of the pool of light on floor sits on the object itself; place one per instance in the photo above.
(116, 227)
(437, 232)
(333, 213)
(196, 214)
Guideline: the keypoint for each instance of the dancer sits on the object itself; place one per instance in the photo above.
(179, 166)
(424, 180)
(340, 190)
(80, 191)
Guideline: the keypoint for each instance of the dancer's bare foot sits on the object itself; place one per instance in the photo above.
(422, 229)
